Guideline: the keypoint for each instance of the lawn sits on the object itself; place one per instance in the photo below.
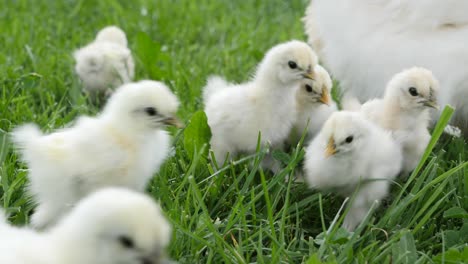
(239, 213)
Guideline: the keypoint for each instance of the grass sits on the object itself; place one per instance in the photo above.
(237, 214)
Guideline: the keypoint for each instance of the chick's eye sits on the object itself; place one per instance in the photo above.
(292, 64)
(413, 91)
(126, 242)
(349, 139)
(151, 111)
(308, 88)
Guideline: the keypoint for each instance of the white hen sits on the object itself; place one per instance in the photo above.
(123, 146)
(351, 152)
(265, 104)
(313, 104)
(110, 226)
(404, 110)
(364, 42)
(105, 63)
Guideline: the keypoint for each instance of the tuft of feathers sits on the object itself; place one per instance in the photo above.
(213, 85)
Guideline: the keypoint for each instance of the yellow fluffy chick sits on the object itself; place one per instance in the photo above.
(238, 112)
(105, 63)
(313, 104)
(110, 226)
(122, 146)
(351, 154)
(404, 110)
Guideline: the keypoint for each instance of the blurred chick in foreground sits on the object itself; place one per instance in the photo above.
(122, 146)
(313, 105)
(351, 154)
(238, 112)
(110, 226)
(404, 110)
(364, 42)
(105, 63)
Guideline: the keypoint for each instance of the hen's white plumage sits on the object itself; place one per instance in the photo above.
(404, 110)
(264, 104)
(110, 226)
(351, 152)
(313, 104)
(364, 42)
(123, 146)
(105, 63)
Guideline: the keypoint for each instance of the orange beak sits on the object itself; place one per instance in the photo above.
(309, 75)
(325, 97)
(330, 150)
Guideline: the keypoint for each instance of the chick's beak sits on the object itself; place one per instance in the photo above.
(431, 103)
(330, 150)
(309, 75)
(325, 98)
(173, 121)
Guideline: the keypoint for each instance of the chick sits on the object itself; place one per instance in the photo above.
(105, 63)
(313, 104)
(265, 104)
(363, 43)
(122, 146)
(404, 110)
(110, 226)
(344, 157)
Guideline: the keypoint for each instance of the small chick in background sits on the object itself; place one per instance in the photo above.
(404, 110)
(313, 105)
(352, 154)
(106, 63)
(123, 146)
(110, 226)
(238, 112)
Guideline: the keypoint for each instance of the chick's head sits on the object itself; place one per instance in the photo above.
(112, 34)
(88, 61)
(345, 133)
(316, 91)
(119, 226)
(415, 89)
(143, 105)
(288, 62)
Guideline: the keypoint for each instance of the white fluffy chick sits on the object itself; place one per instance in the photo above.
(110, 226)
(313, 104)
(404, 110)
(265, 104)
(105, 63)
(364, 42)
(351, 154)
(122, 146)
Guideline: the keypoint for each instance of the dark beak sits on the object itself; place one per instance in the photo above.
(431, 103)
(173, 121)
